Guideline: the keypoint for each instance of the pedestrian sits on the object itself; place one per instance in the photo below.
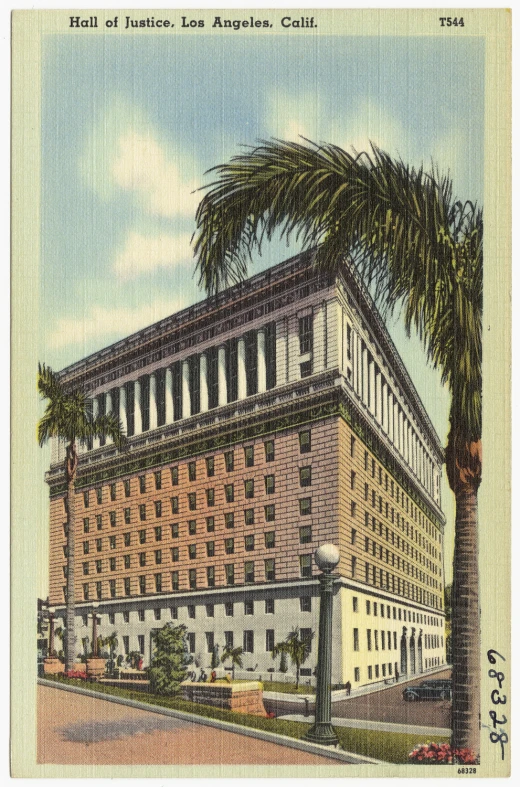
(396, 674)
(348, 687)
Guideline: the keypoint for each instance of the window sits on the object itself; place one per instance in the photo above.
(356, 639)
(229, 519)
(229, 491)
(111, 618)
(142, 558)
(305, 604)
(249, 456)
(112, 564)
(249, 488)
(112, 492)
(210, 466)
(142, 484)
(86, 525)
(126, 539)
(126, 560)
(229, 459)
(85, 592)
(158, 479)
(210, 548)
(248, 642)
(127, 516)
(353, 509)
(190, 639)
(305, 534)
(174, 613)
(85, 568)
(210, 497)
(305, 566)
(193, 578)
(269, 539)
(99, 495)
(228, 639)
(249, 571)
(249, 607)
(228, 607)
(192, 527)
(142, 536)
(230, 574)
(210, 641)
(99, 593)
(269, 484)
(376, 639)
(99, 566)
(158, 508)
(175, 580)
(175, 530)
(112, 541)
(126, 486)
(306, 636)
(305, 369)
(192, 501)
(210, 576)
(269, 450)
(86, 548)
(210, 524)
(99, 521)
(174, 473)
(269, 569)
(305, 334)
(269, 606)
(112, 518)
(158, 588)
(175, 554)
(192, 471)
(269, 513)
(112, 585)
(192, 551)
(229, 545)
(354, 604)
(249, 516)
(158, 533)
(142, 512)
(305, 442)
(305, 476)
(269, 640)
(249, 543)
(305, 506)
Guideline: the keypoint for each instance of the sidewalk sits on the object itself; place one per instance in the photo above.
(382, 726)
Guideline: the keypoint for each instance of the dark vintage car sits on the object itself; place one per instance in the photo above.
(428, 690)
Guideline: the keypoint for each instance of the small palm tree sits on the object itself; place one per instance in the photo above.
(417, 248)
(112, 643)
(296, 648)
(69, 416)
(235, 654)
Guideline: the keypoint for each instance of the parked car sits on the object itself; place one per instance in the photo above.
(428, 690)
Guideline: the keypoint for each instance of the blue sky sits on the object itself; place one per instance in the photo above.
(131, 123)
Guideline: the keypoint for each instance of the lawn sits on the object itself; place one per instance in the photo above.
(388, 746)
(287, 688)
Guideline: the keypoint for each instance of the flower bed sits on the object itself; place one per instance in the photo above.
(442, 754)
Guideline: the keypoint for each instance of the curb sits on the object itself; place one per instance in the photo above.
(270, 737)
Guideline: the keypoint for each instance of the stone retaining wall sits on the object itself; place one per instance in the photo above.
(241, 696)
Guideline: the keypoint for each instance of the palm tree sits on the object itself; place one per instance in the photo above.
(297, 649)
(419, 250)
(69, 416)
(235, 654)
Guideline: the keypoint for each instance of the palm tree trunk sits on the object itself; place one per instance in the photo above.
(466, 623)
(71, 462)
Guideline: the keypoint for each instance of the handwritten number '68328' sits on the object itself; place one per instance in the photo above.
(497, 699)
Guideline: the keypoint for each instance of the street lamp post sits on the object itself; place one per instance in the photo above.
(50, 654)
(94, 631)
(322, 731)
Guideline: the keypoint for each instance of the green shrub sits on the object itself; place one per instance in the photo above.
(169, 661)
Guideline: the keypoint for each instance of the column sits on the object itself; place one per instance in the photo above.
(185, 390)
(138, 421)
(108, 410)
(203, 377)
(122, 408)
(372, 386)
(354, 362)
(364, 362)
(384, 396)
(153, 401)
(168, 395)
(360, 367)
(222, 380)
(281, 351)
(396, 426)
(241, 360)
(95, 413)
(319, 348)
(379, 409)
(260, 363)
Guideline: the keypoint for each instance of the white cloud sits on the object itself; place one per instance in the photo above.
(146, 253)
(143, 166)
(108, 324)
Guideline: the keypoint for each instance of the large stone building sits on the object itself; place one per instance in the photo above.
(262, 423)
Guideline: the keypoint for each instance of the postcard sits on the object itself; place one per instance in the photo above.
(261, 393)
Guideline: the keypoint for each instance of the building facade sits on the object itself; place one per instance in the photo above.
(262, 423)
